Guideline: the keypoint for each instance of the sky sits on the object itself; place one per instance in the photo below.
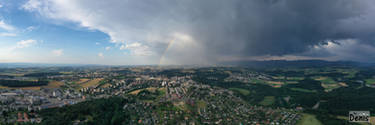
(163, 32)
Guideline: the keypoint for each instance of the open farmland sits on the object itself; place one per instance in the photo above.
(242, 91)
(106, 85)
(309, 119)
(268, 100)
(54, 84)
(91, 83)
(22, 88)
(3, 87)
(81, 81)
(150, 89)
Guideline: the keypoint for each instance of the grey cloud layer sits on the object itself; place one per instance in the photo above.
(223, 27)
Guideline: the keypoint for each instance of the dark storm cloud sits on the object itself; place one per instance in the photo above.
(277, 27)
(226, 28)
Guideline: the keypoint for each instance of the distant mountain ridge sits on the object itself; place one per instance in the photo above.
(296, 63)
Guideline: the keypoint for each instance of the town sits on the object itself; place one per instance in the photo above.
(185, 95)
(186, 101)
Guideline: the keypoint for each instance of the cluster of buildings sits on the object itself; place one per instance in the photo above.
(15, 100)
(248, 77)
(178, 100)
(187, 102)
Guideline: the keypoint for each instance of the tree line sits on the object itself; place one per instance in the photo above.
(19, 83)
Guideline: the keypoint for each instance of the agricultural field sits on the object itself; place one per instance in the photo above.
(343, 84)
(81, 81)
(242, 91)
(295, 78)
(291, 82)
(275, 84)
(350, 73)
(278, 77)
(106, 85)
(150, 89)
(3, 87)
(90, 83)
(267, 101)
(325, 80)
(22, 88)
(309, 119)
(330, 87)
(257, 81)
(54, 84)
(370, 81)
(303, 90)
(66, 73)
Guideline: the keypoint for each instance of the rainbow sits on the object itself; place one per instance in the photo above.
(162, 58)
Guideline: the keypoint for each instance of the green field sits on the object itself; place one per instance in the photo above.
(295, 78)
(329, 87)
(370, 81)
(257, 81)
(326, 80)
(309, 119)
(268, 100)
(278, 77)
(242, 91)
(351, 74)
(291, 82)
(302, 90)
